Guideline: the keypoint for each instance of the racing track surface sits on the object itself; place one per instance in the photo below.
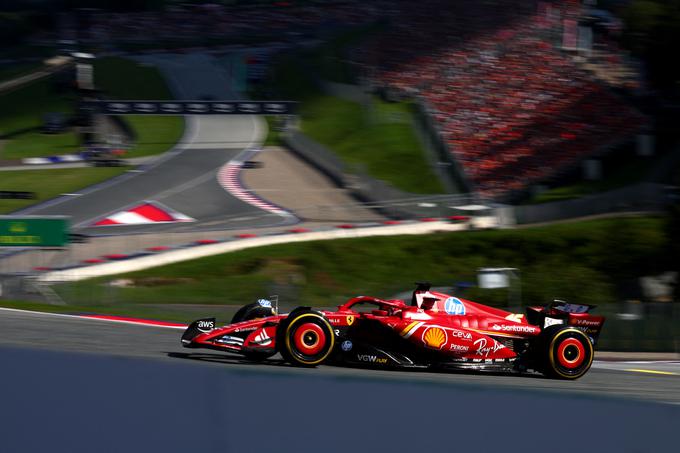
(184, 178)
(142, 384)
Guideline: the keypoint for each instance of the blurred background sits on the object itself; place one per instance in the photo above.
(545, 132)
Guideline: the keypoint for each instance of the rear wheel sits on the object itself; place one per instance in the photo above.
(568, 352)
(306, 338)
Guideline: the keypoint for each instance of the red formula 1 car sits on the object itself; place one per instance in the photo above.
(434, 330)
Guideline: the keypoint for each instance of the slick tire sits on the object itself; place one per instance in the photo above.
(248, 313)
(305, 338)
(567, 352)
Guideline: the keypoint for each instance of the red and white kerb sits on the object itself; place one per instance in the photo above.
(148, 212)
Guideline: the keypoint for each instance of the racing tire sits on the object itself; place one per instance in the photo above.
(248, 313)
(568, 353)
(305, 338)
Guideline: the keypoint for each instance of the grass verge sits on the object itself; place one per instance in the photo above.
(19, 124)
(582, 262)
(118, 78)
(51, 183)
(376, 138)
(176, 313)
(155, 134)
(33, 143)
(19, 128)
(273, 135)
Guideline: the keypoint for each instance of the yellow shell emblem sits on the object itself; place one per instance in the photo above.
(434, 337)
(350, 320)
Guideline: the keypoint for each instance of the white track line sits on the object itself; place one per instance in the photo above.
(228, 174)
(634, 362)
(190, 132)
(228, 178)
(86, 318)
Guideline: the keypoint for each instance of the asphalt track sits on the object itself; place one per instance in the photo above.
(34, 330)
(75, 385)
(185, 178)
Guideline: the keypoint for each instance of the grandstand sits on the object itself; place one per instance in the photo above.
(511, 105)
(189, 23)
(513, 108)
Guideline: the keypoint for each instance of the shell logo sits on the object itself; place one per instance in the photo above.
(434, 337)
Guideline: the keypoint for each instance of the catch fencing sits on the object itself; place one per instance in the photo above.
(635, 326)
(643, 197)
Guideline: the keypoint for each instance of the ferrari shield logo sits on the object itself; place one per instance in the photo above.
(350, 320)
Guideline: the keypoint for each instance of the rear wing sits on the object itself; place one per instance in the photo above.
(569, 308)
(560, 312)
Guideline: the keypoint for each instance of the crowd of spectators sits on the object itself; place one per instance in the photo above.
(511, 106)
(215, 21)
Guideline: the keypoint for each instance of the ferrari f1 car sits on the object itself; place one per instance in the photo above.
(434, 331)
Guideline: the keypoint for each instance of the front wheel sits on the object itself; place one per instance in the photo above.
(306, 338)
(568, 352)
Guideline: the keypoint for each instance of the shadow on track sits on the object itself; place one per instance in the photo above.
(229, 359)
(226, 359)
